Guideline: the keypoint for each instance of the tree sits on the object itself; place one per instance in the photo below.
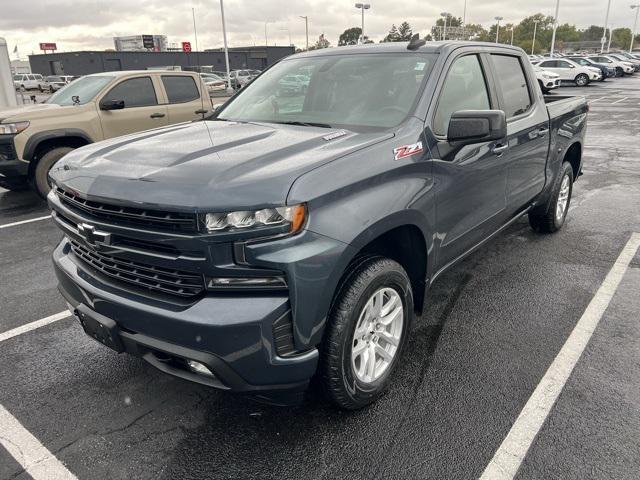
(322, 42)
(438, 29)
(404, 32)
(351, 36)
(393, 35)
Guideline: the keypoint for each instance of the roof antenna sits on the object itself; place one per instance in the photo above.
(415, 42)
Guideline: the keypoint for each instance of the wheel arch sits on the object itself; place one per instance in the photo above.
(42, 142)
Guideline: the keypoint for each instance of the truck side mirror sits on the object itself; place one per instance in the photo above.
(111, 104)
(467, 127)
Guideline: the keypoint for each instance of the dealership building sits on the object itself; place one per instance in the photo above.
(84, 63)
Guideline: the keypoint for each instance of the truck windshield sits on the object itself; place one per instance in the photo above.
(350, 91)
(80, 91)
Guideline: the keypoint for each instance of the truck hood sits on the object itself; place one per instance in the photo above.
(206, 165)
(35, 111)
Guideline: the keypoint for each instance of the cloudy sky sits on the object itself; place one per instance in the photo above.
(91, 24)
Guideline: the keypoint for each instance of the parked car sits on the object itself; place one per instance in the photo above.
(68, 78)
(622, 68)
(546, 79)
(605, 70)
(293, 85)
(570, 71)
(215, 85)
(266, 245)
(239, 78)
(622, 58)
(29, 81)
(54, 83)
(92, 108)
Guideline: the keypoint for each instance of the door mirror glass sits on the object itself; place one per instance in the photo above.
(111, 104)
(467, 127)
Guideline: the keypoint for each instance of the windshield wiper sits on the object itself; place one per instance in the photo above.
(306, 124)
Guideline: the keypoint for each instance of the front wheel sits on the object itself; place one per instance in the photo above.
(366, 332)
(582, 80)
(41, 174)
(550, 218)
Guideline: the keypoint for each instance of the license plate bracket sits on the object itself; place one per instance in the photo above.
(101, 329)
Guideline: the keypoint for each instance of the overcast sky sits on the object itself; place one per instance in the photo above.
(91, 24)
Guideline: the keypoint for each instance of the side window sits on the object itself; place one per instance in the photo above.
(564, 64)
(513, 83)
(464, 89)
(136, 92)
(180, 89)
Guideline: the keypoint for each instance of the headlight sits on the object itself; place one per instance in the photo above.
(292, 216)
(13, 128)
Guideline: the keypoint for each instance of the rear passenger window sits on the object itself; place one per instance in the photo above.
(180, 89)
(136, 92)
(513, 83)
(464, 89)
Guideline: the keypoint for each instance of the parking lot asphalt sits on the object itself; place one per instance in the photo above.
(493, 327)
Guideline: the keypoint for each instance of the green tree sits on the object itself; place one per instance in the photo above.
(404, 32)
(438, 28)
(393, 35)
(351, 36)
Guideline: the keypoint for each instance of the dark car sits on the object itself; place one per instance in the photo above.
(292, 237)
(607, 72)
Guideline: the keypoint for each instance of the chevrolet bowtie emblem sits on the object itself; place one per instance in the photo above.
(93, 237)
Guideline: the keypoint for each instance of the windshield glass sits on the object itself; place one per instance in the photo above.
(84, 88)
(351, 91)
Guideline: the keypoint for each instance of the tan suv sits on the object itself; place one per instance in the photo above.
(90, 109)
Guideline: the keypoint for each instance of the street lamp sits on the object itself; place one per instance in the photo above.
(606, 25)
(363, 7)
(445, 15)
(535, 28)
(498, 26)
(226, 50)
(266, 42)
(306, 27)
(512, 34)
(635, 25)
(555, 28)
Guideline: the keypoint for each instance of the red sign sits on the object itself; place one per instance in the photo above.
(48, 46)
(186, 47)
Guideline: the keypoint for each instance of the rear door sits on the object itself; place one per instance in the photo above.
(527, 130)
(183, 97)
(554, 66)
(142, 110)
(471, 181)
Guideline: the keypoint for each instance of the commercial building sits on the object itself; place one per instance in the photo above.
(20, 66)
(84, 63)
(141, 43)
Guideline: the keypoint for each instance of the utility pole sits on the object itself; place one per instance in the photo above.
(226, 49)
(195, 32)
(535, 28)
(606, 25)
(306, 28)
(635, 25)
(498, 27)
(555, 28)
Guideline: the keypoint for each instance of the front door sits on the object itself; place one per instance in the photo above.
(141, 109)
(470, 182)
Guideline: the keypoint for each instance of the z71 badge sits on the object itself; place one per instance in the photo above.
(407, 150)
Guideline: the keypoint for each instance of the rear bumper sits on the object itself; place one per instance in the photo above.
(232, 335)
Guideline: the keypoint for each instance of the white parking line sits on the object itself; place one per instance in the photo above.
(618, 101)
(507, 460)
(597, 99)
(33, 325)
(7, 225)
(36, 460)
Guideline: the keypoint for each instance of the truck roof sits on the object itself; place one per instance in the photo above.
(123, 73)
(399, 47)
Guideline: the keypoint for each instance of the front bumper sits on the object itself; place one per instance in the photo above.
(11, 167)
(231, 335)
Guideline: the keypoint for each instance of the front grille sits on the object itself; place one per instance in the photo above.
(158, 279)
(154, 219)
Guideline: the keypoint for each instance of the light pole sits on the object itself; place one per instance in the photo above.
(606, 25)
(266, 41)
(635, 7)
(535, 28)
(610, 37)
(498, 27)
(306, 27)
(555, 27)
(195, 32)
(363, 7)
(512, 34)
(226, 50)
(445, 15)
(464, 14)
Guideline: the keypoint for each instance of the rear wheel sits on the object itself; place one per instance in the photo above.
(41, 174)
(582, 80)
(550, 218)
(619, 72)
(366, 332)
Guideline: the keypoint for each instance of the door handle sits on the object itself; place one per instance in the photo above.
(156, 115)
(498, 150)
(542, 132)
(201, 112)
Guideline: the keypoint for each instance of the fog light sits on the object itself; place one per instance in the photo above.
(246, 282)
(201, 368)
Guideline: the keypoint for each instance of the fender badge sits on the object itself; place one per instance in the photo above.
(407, 150)
(338, 134)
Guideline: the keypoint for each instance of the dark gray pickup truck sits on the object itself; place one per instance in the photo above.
(294, 234)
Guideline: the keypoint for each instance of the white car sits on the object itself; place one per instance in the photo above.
(546, 79)
(29, 81)
(621, 67)
(215, 85)
(622, 58)
(570, 71)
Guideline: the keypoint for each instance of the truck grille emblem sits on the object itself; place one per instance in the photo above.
(92, 237)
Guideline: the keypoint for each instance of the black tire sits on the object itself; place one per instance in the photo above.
(40, 177)
(619, 72)
(337, 375)
(544, 219)
(582, 80)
